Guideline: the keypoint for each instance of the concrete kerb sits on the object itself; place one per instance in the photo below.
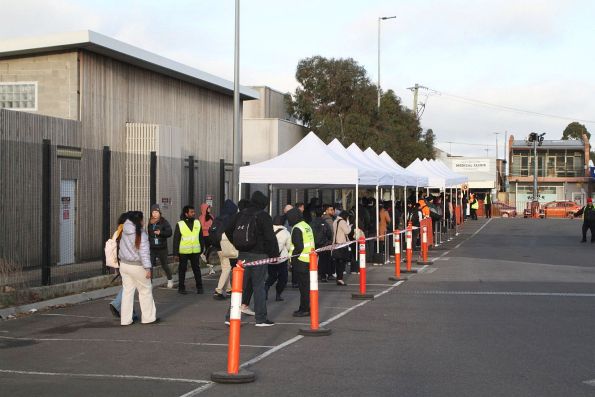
(84, 296)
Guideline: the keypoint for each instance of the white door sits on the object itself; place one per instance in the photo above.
(67, 220)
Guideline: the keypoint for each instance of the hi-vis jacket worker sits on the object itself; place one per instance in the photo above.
(187, 247)
(302, 243)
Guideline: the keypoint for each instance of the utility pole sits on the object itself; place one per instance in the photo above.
(379, 20)
(496, 133)
(415, 94)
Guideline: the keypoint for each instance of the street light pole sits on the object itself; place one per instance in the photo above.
(237, 134)
(379, 20)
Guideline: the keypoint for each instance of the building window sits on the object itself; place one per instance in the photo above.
(18, 95)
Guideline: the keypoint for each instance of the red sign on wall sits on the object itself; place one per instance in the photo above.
(66, 214)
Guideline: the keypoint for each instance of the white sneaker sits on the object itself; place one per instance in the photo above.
(170, 284)
(246, 310)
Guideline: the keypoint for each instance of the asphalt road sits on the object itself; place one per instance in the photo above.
(506, 310)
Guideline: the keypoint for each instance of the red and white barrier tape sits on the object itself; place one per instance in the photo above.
(269, 261)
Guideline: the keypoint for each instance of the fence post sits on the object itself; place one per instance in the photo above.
(221, 184)
(362, 272)
(106, 203)
(46, 212)
(397, 244)
(314, 329)
(234, 374)
(190, 180)
(153, 179)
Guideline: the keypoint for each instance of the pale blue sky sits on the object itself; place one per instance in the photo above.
(534, 55)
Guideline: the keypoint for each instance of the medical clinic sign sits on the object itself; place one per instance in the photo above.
(470, 165)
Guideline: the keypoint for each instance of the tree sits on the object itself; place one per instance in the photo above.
(575, 130)
(336, 99)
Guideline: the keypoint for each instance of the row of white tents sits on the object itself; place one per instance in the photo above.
(313, 164)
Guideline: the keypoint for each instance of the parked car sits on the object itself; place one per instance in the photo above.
(560, 209)
(504, 210)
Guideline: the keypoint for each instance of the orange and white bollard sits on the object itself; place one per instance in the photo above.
(424, 248)
(362, 272)
(397, 244)
(409, 248)
(314, 329)
(234, 374)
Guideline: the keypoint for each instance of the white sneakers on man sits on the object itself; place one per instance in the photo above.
(246, 310)
(170, 284)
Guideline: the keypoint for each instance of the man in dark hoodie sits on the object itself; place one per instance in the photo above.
(251, 232)
(216, 233)
(302, 243)
(187, 248)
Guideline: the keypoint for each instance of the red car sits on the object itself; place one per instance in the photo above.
(561, 209)
(504, 210)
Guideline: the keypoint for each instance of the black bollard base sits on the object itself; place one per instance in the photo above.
(412, 271)
(242, 376)
(315, 332)
(422, 263)
(362, 296)
(393, 278)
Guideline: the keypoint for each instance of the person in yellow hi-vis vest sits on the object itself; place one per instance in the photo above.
(302, 243)
(187, 248)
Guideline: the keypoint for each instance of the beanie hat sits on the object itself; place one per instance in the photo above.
(589, 200)
(155, 207)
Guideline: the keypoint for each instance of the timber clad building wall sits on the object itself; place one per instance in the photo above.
(103, 98)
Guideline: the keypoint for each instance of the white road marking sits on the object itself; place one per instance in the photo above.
(198, 390)
(473, 235)
(130, 341)
(590, 382)
(505, 293)
(69, 315)
(109, 376)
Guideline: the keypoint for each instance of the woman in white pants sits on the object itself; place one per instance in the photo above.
(135, 268)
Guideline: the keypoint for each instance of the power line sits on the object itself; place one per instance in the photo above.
(465, 143)
(511, 108)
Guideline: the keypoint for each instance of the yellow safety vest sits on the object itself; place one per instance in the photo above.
(190, 241)
(475, 205)
(308, 237)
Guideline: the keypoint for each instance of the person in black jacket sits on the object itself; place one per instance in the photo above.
(159, 231)
(216, 233)
(588, 214)
(265, 246)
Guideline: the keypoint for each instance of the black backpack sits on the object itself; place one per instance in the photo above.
(216, 231)
(244, 234)
(322, 233)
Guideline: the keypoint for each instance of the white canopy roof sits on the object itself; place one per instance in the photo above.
(460, 177)
(435, 178)
(422, 179)
(369, 175)
(309, 163)
(389, 178)
(406, 178)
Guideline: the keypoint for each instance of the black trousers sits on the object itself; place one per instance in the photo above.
(161, 254)
(324, 264)
(277, 274)
(488, 209)
(588, 226)
(302, 275)
(473, 214)
(194, 263)
(340, 267)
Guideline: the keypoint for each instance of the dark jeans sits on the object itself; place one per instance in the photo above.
(302, 275)
(473, 214)
(324, 264)
(340, 266)
(588, 226)
(161, 253)
(254, 284)
(278, 274)
(194, 263)
(488, 210)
